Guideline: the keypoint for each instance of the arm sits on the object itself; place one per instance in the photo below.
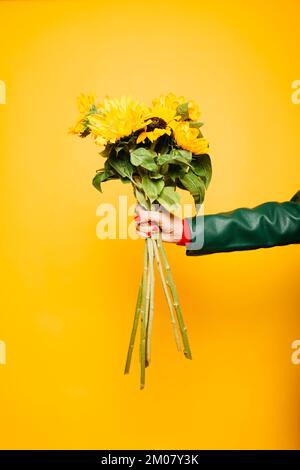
(264, 226)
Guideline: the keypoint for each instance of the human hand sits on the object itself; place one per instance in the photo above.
(151, 222)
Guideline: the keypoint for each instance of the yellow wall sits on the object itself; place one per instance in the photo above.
(68, 298)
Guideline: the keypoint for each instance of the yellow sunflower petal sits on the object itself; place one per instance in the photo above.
(152, 135)
(194, 111)
(100, 141)
(188, 138)
(84, 102)
(141, 137)
(165, 106)
(156, 133)
(78, 128)
(118, 118)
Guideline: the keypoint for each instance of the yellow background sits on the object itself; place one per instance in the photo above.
(68, 298)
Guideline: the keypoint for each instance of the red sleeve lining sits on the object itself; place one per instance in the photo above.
(186, 234)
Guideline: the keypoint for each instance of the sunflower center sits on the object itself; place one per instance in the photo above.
(156, 123)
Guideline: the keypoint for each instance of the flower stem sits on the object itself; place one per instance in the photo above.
(152, 146)
(172, 286)
(147, 311)
(134, 329)
(143, 320)
(165, 288)
(151, 301)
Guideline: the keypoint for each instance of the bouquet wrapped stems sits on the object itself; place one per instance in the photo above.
(154, 250)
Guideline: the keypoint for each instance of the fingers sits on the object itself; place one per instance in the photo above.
(143, 216)
(145, 230)
(152, 222)
(166, 237)
(149, 223)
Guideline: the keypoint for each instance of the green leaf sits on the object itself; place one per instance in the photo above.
(196, 124)
(101, 176)
(186, 154)
(164, 158)
(125, 180)
(163, 143)
(118, 149)
(155, 176)
(152, 188)
(175, 156)
(169, 199)
(164, 169)
(201, 166)
(143, 157)
(175, 171)
(194, 185)
(107, 151)
(141, 199)
(182, 109)
(122, 165)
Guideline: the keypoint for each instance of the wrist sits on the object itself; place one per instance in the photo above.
(186, 234)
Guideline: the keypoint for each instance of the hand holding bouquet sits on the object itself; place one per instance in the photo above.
(156, 149)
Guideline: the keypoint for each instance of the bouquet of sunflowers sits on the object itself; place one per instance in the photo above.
(155, 149)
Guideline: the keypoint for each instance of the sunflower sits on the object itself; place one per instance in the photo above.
(170, 101)
(188, 138)
(193, 111)
(86, 105)
(78, 129)
(163, 116)
(117, 118)
(189, 111)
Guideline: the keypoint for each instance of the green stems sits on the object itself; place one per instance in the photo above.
(144, 310)
(143, 320)
(169, 301)
(151, 300)
(134, 329)
(176, 303)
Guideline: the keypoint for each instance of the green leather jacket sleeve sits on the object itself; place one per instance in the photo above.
(269, 224)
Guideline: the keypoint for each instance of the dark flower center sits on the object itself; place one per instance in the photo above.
(156, 123)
